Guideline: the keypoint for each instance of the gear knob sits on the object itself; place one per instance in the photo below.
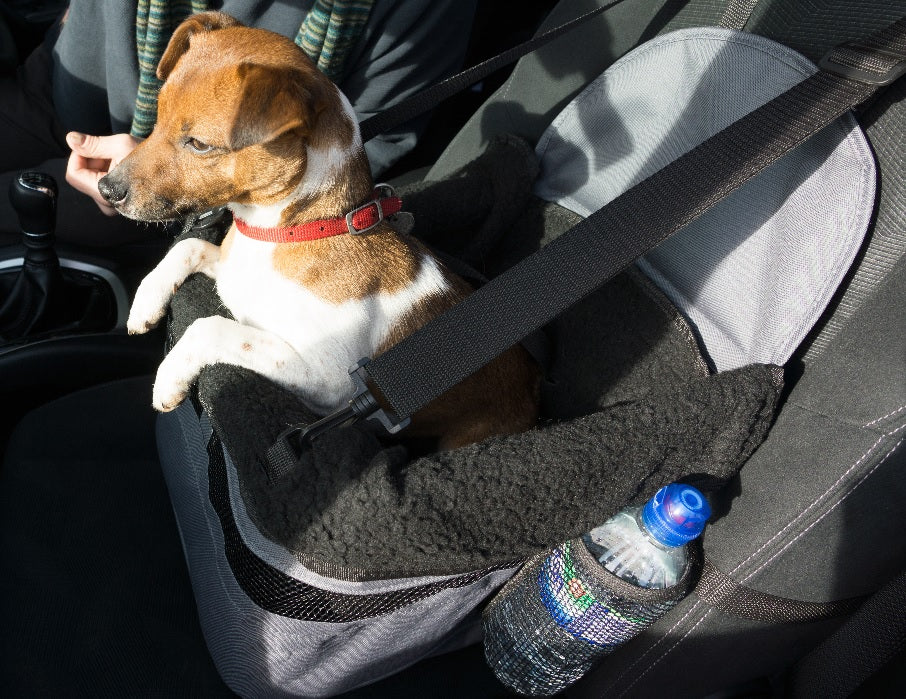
(34, 197)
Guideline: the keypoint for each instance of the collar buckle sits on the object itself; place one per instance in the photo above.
(381, 191)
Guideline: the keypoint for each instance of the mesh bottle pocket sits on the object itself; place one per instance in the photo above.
(562, 612)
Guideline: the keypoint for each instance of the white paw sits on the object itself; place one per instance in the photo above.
(171, 387)
(154, 293)
(199, 346)
(149, 306)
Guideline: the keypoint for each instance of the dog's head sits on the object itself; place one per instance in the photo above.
(238, 115)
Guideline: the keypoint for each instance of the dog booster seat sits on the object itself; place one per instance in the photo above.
(367, 557)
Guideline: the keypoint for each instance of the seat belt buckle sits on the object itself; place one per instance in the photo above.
(285, 453)
(863, 63)
(365, 404)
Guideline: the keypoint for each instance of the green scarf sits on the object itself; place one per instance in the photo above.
(329, 31)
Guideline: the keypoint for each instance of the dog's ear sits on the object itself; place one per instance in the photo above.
(179, 42)
(275, 100)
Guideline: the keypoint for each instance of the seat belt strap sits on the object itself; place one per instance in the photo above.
(533, 292)
(425, 100)
(737, 14)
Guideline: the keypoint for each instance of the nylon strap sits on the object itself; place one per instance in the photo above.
(532, 293)
(424, 101)
(720, 591)
(866, 642)
(737, 14)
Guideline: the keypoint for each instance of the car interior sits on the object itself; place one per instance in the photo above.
(99, 595)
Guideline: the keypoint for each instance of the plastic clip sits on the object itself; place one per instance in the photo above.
(890, 66)
(284, 454)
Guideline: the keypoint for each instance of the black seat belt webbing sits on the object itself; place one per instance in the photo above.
(737, 14)
(526, 297)
(536, 290)
(427, 99)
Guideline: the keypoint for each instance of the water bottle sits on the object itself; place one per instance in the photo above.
(568, 608)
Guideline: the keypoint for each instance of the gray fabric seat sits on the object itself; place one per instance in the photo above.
(94, 599)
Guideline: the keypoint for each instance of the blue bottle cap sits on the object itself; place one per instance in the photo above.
(676, 514)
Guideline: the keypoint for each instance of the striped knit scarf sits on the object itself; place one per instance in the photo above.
(329, 31)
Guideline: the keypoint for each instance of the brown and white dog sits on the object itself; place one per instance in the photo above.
(246, 120)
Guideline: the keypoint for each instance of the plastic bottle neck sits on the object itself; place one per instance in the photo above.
(649, 535)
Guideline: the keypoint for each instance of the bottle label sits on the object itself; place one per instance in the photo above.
(587, 610)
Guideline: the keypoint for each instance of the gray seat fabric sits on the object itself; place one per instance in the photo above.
(95, 599)
(754, 274)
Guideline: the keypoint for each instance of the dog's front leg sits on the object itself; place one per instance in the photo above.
(214, 340)
(154, 293)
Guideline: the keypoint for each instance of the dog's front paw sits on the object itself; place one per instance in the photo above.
(154, 293)
(171, 387)
(167, 398)
(149, 307)
(199, 346)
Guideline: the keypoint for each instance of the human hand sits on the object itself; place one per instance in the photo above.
(93, 157)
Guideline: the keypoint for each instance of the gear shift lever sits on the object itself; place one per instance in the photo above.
(34, 197)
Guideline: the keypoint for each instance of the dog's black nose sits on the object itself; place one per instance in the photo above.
(112, 190)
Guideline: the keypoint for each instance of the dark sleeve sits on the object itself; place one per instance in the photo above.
(96, 67)
(405, 47)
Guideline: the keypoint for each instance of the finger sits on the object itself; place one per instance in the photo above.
(86, 145)
(80, 162)
(81, 143)
(113, 148)
(83, 174)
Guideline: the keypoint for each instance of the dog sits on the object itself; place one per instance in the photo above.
(247, 121)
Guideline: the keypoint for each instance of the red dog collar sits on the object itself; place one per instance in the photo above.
(357, 222)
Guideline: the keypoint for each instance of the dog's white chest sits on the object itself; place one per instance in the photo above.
(327, 337)
(257, 295)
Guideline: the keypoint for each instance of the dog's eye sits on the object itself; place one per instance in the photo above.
(197, 146)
